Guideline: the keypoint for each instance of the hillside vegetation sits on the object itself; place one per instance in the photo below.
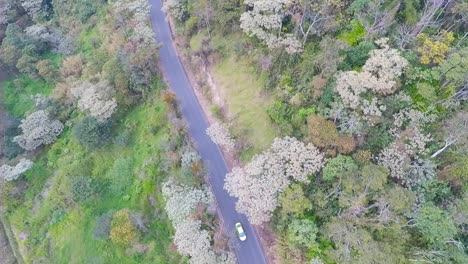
(378, 87)
(91, 137)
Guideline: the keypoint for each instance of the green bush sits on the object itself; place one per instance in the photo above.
(378, 137)
(82, 188)
(92, 133)
(356, 56)
(8, 148)
(354, 33)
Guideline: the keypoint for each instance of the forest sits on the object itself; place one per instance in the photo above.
(345, 124)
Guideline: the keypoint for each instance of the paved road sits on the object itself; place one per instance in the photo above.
(249, 251)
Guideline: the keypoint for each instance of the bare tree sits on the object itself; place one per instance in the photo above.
(456, 132)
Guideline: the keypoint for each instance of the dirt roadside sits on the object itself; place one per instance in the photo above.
(216, 98)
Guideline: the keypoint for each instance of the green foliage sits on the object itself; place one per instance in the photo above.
(280, 113)
(17, 94)
(92, 133)
(8, 147)
(302, 233)
(410, 11)
(354, 33)
(293, 201)
(378, 137)
(337, 167)
(435, 225)
(356, 56)
(82, 188)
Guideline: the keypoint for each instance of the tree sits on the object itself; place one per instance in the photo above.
(323, 133)
(181, 200)
(410, 143)
(337, 167)
(435, 225)
(378, 76)
(92, 133)
(264, 20)
(11, 173)
(36, 8)
(376, 15)
(302, 233)
(72, 66)
(451, 73)
(38, 129)
(192, 241)
(258, 184)
(177, 8)
(97, 98)
(456, 132)
(47, 70)
(330, 55)
(140, 56)
(122, 229)
(293, 201)
(434, 50)
(219, 134)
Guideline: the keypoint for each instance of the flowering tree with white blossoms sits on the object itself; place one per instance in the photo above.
(96, 98)
(11, 173)
(264, 21)
(38, 129)
(378, 76)
(403, 157)
(190, 239)
(219, 134)
(259, 183)
(181, 200)
(177, 8)
(136, 13)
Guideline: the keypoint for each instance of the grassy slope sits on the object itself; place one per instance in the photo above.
(244, 95)
(54, 224)
(245, 100)
(18, 99)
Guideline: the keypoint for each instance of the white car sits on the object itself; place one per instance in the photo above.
(240, 232)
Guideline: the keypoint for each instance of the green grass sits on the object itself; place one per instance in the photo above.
(245, 100)
(61, 231)
(242, 90)
(17, 94)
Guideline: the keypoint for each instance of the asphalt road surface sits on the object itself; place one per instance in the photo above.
(249, 251)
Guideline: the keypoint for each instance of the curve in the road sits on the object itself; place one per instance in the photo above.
(249, 251)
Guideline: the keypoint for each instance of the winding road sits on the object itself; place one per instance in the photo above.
(249, 251)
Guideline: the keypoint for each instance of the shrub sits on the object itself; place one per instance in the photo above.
(356, 56)
(92, 133)
(122, 230)
(82, 188)
(10, 173)
(38, 129)
(72, 66)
